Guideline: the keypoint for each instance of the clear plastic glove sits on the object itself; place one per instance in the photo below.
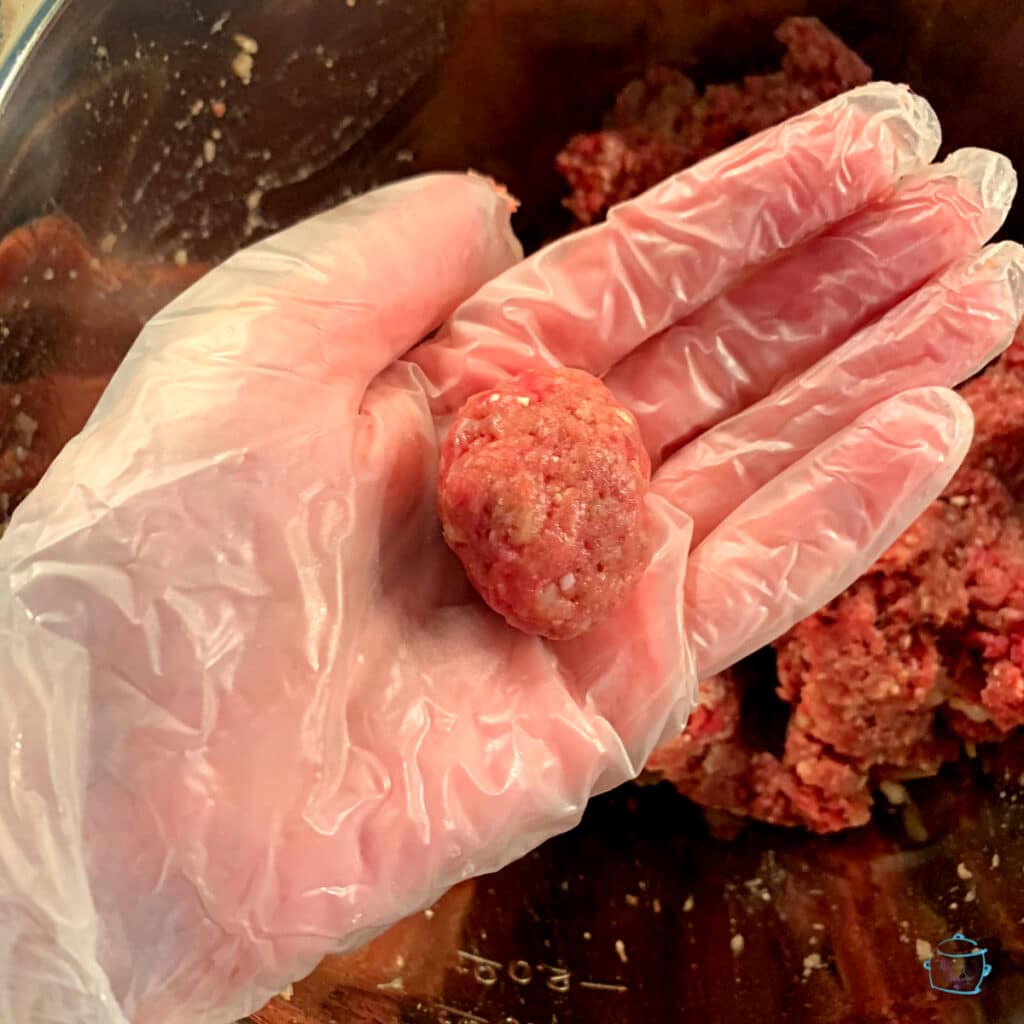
(254, 712)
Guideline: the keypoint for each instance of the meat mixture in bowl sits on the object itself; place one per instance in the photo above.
(917, 662)
(923, 657)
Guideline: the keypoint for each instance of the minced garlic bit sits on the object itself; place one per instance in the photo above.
(620, 949)
(736, 944)
(688, 905)
(923, 948)
(963, 872)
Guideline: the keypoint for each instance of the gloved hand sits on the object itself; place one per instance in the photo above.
(254, 712)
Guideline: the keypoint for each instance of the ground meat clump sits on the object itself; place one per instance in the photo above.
(662, 123)
(541, 495)
(920, 658)
(68, 315)
(924, 655)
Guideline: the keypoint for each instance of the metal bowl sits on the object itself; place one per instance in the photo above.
(172, 134)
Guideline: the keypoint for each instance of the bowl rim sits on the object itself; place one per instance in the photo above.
(21, 43)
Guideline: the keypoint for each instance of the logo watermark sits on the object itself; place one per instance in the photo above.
(958, 966)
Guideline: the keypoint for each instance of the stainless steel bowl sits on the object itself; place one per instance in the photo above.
(167, 137)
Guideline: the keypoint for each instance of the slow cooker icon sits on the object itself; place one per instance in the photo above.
(958, 966)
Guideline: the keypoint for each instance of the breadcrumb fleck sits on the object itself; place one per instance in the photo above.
(913, 825)
(923, 949)
(893, 792)
(25, 427)
(812, 962)
(242, 66)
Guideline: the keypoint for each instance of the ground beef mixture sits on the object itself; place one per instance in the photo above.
(924, 655)
(920, 658)
(541, 494)
(662, 123)
(68, 315)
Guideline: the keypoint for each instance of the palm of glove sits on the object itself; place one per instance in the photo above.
(285, 720)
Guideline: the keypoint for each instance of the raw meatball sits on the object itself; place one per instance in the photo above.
(541, 495)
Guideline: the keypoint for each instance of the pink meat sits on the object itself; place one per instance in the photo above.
(662, 124)
(923, 655)
(541, 495)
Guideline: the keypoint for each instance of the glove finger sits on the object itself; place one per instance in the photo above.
(808, 534)
(941, 335)
(591, 298)
(779, 322)
(347, 292)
